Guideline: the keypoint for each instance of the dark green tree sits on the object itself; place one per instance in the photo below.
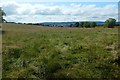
(2, 13)
(81, 24)
(93, 24)
(76, 24)
(86, 25)
(110, 23)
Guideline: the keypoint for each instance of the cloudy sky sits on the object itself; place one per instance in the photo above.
(34, 11)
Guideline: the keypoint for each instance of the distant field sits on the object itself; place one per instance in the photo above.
(46, 52)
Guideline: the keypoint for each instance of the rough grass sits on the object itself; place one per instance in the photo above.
(45, 52)
(0, 53)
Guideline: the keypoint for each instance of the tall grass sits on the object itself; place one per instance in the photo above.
(44, 52)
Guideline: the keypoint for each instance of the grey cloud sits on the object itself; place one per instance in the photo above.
(10, 8)
(49, 11)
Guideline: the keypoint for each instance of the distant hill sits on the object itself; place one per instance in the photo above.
(58, 23)
(61, 24)
(66, 24)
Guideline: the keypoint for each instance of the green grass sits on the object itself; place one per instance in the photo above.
(37, 52)
(0, 53)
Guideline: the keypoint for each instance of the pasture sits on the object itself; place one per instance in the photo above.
(49, 52)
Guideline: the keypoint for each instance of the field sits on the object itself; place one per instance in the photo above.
(47, 52)
(0, 53)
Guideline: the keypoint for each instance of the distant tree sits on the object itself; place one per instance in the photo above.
(2, 13)
(76, 24)
(71, 25)
(86, 25)
(93, 24)
(110, 23)
(81, 24)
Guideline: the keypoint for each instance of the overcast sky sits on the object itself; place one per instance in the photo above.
(34, 11)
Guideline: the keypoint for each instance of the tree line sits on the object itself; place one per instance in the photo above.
(84, 24)
(109, 23)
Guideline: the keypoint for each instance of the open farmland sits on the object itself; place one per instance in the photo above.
(46, 52)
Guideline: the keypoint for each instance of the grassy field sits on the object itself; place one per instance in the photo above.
(0, 52)
(46, 52)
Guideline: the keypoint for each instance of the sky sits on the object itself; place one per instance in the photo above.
(35, 11)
